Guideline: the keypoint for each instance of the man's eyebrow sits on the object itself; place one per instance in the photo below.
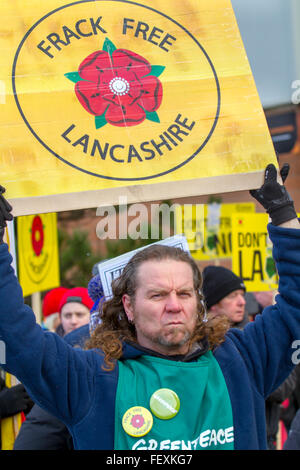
(164, 289)
(156, 289)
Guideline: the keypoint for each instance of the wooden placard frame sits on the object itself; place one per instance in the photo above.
(137, 193)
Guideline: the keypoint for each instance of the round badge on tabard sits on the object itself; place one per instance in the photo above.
(137, 421)
(164, 403)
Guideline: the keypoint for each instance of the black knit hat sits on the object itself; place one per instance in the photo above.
(219, 282)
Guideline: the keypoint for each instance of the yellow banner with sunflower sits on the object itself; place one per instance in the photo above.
(38, 252)
(144, 99)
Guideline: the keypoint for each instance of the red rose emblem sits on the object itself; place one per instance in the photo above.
(137, 421)
(118, 86)
(37, 235)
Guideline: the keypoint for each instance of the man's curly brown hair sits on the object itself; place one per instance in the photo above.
(115, 327)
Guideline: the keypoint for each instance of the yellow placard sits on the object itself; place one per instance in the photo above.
(10, 427)
(252, 252)
(9, 238)
(207, 227)
(103, 98)
(38, 252)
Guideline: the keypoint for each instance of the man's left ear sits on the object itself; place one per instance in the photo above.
(214, 309)
(127, 307)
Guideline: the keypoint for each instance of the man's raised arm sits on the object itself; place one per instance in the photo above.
(39, 359)
(267, 343)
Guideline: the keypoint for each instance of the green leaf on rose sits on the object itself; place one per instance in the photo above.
(212, 242)
(108, 46)
(100, 121)
(270, 267)
(157, 70)
(152, 116)
(73, 76)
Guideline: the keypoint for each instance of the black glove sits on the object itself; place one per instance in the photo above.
(5, 209)
(274, 196)
(14, 400)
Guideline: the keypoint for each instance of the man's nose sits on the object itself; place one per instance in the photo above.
(173, 304)
(242, 299)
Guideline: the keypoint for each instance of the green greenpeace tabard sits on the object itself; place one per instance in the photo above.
(194, 393)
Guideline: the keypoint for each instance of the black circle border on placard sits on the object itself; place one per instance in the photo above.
(90, 172)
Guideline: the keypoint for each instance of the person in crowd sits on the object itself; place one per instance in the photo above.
(291, 407)
(43, 431)
(13, 400)
(224, 294)
(50, 308)
(194, 383)
(293, 440)
(252, 307)
(264, 298)
(288, 390)
(283, 392)
(273, 408)
(95, 290)
(74, 308)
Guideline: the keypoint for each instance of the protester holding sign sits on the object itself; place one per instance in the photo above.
(155, 337)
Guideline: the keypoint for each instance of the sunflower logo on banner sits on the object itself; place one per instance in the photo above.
(38, 252)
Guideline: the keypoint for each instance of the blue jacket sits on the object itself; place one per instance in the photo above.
(70, 383)
(41, 430)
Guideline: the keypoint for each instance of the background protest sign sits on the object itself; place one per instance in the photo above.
(150, 100)
(38, 252)
(252, 258)
(207, 227)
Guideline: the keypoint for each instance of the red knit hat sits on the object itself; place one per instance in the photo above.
(52, 300)
(77, 294)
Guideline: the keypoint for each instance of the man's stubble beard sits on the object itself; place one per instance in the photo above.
(164, 341)
(168, 339)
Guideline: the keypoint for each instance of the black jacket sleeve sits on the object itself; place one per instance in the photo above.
(293, 440)
(285, 389)
(42, 431)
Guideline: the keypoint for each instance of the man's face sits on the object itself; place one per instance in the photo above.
(164, 310)
(233, 306)
(73, 315)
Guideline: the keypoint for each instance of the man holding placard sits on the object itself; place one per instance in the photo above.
(164, 376)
